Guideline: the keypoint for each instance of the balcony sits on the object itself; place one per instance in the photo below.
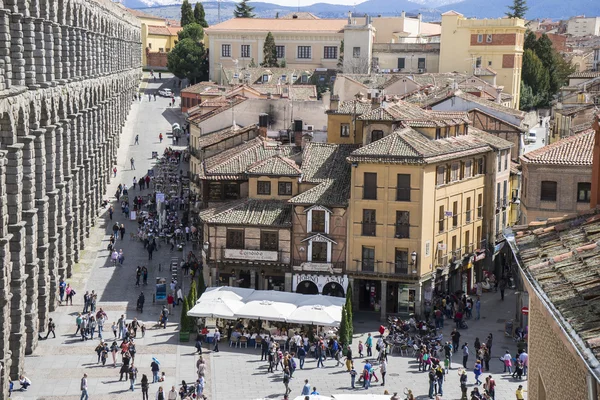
(194, 152)
(402, 231)
(442, 261)
(319, 266)
(369, 229)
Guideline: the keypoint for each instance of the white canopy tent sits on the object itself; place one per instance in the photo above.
(269, 305)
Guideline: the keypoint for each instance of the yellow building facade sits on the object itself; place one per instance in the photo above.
(472, 45)
(159, 36)
(416, 216)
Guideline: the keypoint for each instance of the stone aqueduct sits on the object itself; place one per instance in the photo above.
(68, 73)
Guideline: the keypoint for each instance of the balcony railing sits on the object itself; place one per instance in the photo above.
(402, 231)
(369, 229)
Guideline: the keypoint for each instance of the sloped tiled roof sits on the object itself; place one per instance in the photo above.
(274, 166)
(158, 30)
(573, 150)
(581, 127)
(300, 15)
(212, 138)
(233, 163)
(412, 115)
(494, 141)
(352, 106)
(560, 257)
(141, 14)
(407, 146)
(195, 116)
(278, 25)
(325, 165)
(250, 212)
(491, 104)
(585, 74)
(203, 87)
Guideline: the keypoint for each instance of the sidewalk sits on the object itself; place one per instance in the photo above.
(57, 365)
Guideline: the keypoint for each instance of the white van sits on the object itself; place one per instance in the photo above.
(531, 137)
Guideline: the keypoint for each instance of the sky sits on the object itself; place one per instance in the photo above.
(290, 3)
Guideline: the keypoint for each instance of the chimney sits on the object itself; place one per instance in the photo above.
(595, 197)
(298, 132)
(403, 14)
(306, 139)
(419, 16)
(349, 17)
(263, 121)
(334, 102)
(326, 98)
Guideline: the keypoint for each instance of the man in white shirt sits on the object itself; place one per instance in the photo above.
(25, 382)
(172, 395)
(524, 358)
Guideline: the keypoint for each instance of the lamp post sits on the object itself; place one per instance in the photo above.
(206, 247)
(413, 257)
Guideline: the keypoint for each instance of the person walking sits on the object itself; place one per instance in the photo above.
(216, 338)
(114, 348)
(132, 162)
(455, 335)
(305, 388)
(507, 361)
(160, 395)
(133, 371)
(84, 388)
(432, 382)
(465, 351)
(369, 344)
(51, 328)
(137, 139)
(477, 372)
(114, 172)
(61, 289)
(349, 361)
(502, 287)
(145, 386)
(160, 137)
(70, 293)
(154, 367)
(478, 308)
(286, 380)
(383, 370)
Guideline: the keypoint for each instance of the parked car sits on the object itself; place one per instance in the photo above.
(165, 92)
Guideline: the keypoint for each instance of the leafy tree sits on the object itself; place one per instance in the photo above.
(192, 295)
(536, 77)
(269, 52)
(243, 10)
(528, 100)
(283, 64)
(201, 284)
(543, 49)
(349, 311)
(530, 40)
(189, 59)
(200, 15)
(187, 15)
(192, 31)
(518, 9)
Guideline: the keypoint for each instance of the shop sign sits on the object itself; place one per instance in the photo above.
(321, 280)
(253, 255)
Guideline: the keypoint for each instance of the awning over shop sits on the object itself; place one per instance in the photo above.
(269, 305)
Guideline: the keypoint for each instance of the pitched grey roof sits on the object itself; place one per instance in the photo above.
(352, 106)
(325, 165)
(274, 166)
(494, 141)
(407, 146)
(218, 136)
(412, 115)
(233, 163)
(250, 212)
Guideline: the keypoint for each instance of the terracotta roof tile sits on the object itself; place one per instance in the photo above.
(158, 30)
(141, 14)
(250, 212)
(212, 138)
(274, 166)
(412, 115)
(278, 25)
(357, 107)
(573, 150)
(202, 87)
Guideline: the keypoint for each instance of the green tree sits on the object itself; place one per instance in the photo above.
(536, 77)
(340, 63)
(269, 52)
(188, 60)
(187, 15)
(350, 312)
(243, 10)
(185, 323)
(530, 40)
(192, 295)
(343, 329)
(518, 9)
(543, 49)
(192, 31)
(200, 15)
(528, 100)
(252, 63)
(201, 284)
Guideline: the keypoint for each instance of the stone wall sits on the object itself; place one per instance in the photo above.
(156, 60)
(68, 73)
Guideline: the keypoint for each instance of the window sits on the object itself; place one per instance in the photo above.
(499, 162)
(480, 167)
(441, 218)
(356, 52)
(455, 214)
(168, 49)
(467, 242)
(369, 223)
(304, 52)
(468, 169)
(480, 38)
(441, 175)
(280, 52)
(344, 130)
(149, 45)
(584, 192)
(454, 173)
(319, 251)
(478, 242)
(468, 211)
(368, 259)
(401, 262)
(269, 241)
(376, 135)
(478, 62)
(225, 50)
(401, 63)
(421, 63)
(284, 188)
(402, 224)
(454, 245)
(245, 51)
(488, 38)
(548, 192)
(438, 133)
(304, 78)
(479, 205)
(403, 187)
(503, 219)
(263, 187)
(235, 239)
(370, 186)
(318, 221)
(330, 52)
(506, 160)
(161, 50)
(498, 195)
(504, 193)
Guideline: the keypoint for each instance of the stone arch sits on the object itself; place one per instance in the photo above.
(34, 8)
(333, 289)
(66, 12)
(8, 132)
(307, 287)
(22, 121)
(62, 109)
(45, 114)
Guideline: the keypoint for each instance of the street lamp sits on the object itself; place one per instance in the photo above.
(206, 247)
(413, 257)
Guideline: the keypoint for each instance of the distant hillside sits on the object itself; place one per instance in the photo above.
(431, 10)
